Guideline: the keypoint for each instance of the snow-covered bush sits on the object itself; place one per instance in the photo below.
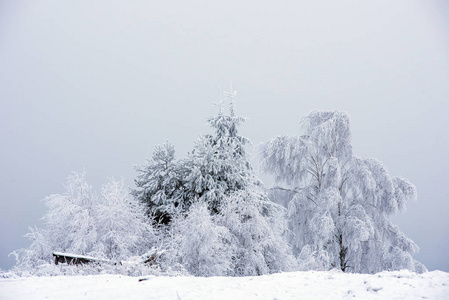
(70, 220)
(258, 229)
(244, 239)
(122, 227)
(38, 253)
(339, 205)
(205, 247)
(112, 227)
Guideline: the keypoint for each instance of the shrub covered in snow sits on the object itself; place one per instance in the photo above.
(111, 226)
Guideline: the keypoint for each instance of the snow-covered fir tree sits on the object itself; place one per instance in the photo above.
(339, 205)
(246, 227)
(160, 184)
(220, 175)
(218, 165)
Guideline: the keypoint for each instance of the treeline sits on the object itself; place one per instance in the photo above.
(208, 214)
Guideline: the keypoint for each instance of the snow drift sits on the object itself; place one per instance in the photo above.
(295, 285)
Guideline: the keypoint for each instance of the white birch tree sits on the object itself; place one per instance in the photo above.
(339, 205)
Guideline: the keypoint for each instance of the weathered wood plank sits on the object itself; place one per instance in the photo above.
(74, 259)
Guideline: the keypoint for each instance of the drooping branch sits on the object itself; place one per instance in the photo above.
(292, 191)
(342, 182)
(284, 189)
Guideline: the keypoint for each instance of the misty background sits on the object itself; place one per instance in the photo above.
(96, 85)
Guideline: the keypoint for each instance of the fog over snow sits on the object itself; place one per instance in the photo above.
(97, 85)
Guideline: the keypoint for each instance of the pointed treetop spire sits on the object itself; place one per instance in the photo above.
(220, 102)
(224, 95)
(231, 95)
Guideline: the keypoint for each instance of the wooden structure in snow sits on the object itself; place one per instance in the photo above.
(74, 259)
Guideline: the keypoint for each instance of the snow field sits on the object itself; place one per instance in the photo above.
(282, 286)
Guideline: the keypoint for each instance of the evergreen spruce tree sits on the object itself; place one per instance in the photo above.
(218, 165)
(220, 175)
(160, 184)
(246, 228)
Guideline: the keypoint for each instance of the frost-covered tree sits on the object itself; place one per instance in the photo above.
(204, 247)
(339, 205)
(241, 229)
(220, 175)
(79, 221)
(37, 253)
(258, 228)
(246, 238)
(160, 184)
(218, 165)
(69, 225)
(70, 220)
(123, 228)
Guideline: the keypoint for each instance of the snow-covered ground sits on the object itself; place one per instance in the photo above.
(295, 285)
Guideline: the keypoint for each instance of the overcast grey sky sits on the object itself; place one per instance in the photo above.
(97, 84)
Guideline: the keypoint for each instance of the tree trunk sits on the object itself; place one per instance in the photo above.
(343, 251)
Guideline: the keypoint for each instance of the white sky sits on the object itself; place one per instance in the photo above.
(97, 84)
